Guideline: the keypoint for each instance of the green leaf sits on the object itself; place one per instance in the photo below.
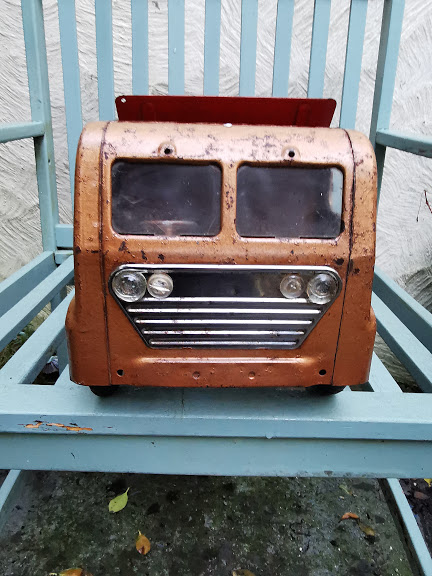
(119, 502)
(366, 529)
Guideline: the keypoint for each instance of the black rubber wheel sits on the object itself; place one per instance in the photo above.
(103, 391)
(324, 390)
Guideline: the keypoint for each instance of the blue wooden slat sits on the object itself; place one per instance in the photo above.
(415, 317)
(64, 235)
(29, 360)
(414, 356)
(412, 143)
(83, 451)
(71, 81)
(9, 132)
(9, 494)
(353, 60)
(27, 308)
(248, 457)
(64, 381)
(37, 72)
(139, 15)
(253, 413)
(412, 530)
(248, 45)
(105, 68)
(176, 46)
(61, 255)
(212, 47)
(380, 378)
(24, 280)
(320, 30)
(282, 49)
(391, 30)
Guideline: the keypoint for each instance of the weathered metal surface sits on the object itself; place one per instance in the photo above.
(104, 347)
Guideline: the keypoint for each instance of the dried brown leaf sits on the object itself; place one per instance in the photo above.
(366, 529)
(142, 544)
(75, 572)
(242, 572)
(348, 515)
(420, 495)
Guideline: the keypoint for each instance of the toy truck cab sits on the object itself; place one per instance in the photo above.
(211, 254)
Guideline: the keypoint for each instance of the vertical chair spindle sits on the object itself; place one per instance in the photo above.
(318, 55)
(40, 104)
(71, 81)
(282, 48)
(104, 49)
(139, 15)
(391, 30)
(248, 45)
(212, 47)
(353, 60)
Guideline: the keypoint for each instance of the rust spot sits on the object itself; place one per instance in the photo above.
(77, 250)
(36, 425)
(161, 257)
(143, 255)
(338, 261)
(356, 270)
(70, 428)
(122, 247)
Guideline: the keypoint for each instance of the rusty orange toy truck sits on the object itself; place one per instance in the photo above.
(226, 252)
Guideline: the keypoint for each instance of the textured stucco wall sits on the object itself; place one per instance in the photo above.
(405, 223)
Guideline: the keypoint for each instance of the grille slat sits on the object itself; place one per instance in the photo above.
(226, 307)
(239, 310)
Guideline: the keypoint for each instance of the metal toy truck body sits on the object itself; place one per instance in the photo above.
(255, 209)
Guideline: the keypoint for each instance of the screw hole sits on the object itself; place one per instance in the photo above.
(196, 375)
(291, 153)
(168, 151)
(123, 100)
(120, 372)
(323, 372)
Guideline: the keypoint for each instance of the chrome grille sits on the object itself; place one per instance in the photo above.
(203, 312)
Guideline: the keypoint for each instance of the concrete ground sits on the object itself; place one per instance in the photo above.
(200, 526)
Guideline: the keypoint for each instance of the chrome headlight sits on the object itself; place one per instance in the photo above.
(160, 285)
(292, 286)
(322, 288)
(129, 286)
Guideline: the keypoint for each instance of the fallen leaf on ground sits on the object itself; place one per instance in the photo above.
(142, 544)
(366, 529)
(119, 502)
(72, 572)
(428, 481)
(420, 496)
(349, 515)
(242, 573)
(345, 489)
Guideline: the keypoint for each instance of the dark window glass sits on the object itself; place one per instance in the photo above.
(166, 199)
(287, 202)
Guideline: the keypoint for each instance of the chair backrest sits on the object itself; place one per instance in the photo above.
(58, 236)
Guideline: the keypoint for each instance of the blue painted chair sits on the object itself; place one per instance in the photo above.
(378, 433)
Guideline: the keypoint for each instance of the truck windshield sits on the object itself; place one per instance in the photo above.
(159, 198)
(289, 202)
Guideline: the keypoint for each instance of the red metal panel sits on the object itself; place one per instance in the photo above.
(309, 112)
